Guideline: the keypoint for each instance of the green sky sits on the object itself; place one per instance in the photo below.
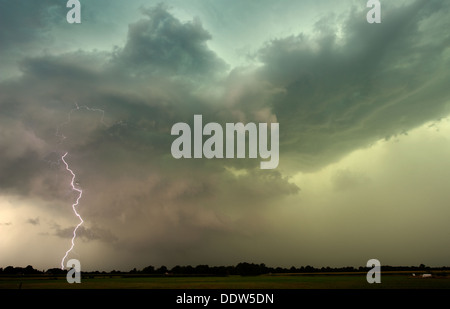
(364, 132)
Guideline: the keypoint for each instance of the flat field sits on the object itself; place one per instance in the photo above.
(275, 281)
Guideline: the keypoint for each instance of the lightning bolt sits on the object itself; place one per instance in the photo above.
(74, 205)
(60, 135)
(69, 116)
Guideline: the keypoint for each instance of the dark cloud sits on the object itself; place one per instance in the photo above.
(122, 156)
(161, 44)
(87, 234)
(25, 29)
(338, 94)
(33, 221)
(17, 172)
(346, 180)
(331, 94)
(24, 22)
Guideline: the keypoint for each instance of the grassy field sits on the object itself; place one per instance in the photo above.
(285, 281)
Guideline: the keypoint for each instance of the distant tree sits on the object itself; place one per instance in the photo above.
(9, 270)
(55, 271)
(348, 269)
(189, 269)
(177, 270)
(279, 270)
(263, 268)
(202, 269)
(30, 270)
(148, 270)
(220, 271)
(162, 270)
(247, 269)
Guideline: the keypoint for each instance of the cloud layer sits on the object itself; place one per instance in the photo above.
(339, 87)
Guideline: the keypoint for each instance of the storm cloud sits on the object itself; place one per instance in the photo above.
(340, 86)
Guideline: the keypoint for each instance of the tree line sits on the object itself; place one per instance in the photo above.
(243, 269)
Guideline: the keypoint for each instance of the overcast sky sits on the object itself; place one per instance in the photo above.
(364, 132)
